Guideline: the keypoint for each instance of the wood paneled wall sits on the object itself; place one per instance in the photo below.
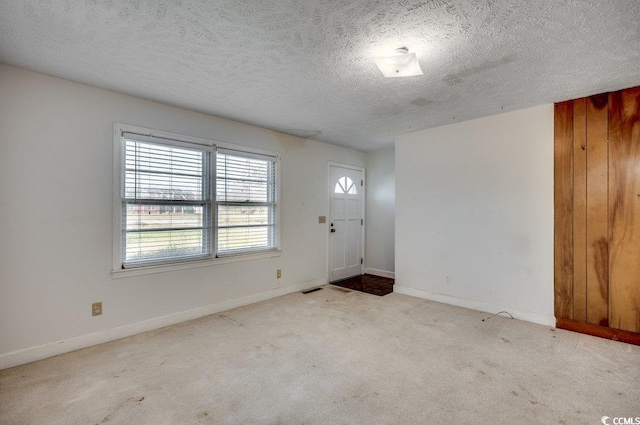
(597, 211)
(624, 209)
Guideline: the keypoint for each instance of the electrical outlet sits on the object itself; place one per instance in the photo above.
(96, 309)
(278, 273)
(322, 219)
(448, 279)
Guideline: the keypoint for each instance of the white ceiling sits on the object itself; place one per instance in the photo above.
(306, 67)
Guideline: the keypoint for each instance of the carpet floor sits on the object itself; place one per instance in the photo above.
(333, 357)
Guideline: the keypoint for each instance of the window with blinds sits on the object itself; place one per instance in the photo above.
(246, 201)
(166, 200)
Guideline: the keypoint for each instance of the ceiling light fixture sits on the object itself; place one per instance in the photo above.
(400, 63)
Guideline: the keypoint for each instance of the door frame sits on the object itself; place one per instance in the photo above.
(362, 213)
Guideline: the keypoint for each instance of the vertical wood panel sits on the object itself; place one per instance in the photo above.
(624, 205)
(580, 210)
(597, 211)
(563, 205)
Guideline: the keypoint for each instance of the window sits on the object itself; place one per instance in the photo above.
(246, 200)
(183, 199)
(345, 185)
(166, 200)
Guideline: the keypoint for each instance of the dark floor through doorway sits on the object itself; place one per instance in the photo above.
(375, 285)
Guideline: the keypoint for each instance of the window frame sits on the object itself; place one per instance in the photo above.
(177, 264)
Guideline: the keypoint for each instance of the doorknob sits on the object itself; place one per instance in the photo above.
(333, 230)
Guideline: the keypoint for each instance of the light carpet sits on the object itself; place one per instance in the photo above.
(333, 357)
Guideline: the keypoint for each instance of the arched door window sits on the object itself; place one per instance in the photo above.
(345, 185)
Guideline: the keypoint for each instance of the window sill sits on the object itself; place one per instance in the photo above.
(139, 271)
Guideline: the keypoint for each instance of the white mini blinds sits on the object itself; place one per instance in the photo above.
(184, 201)
(166, 200)
(246, 201)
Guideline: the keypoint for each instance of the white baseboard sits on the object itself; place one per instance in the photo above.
(32, 354)
(382, 273)
(477, 305)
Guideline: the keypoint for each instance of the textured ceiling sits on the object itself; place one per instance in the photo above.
(306, 67)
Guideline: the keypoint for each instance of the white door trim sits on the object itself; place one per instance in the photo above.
(362, 211)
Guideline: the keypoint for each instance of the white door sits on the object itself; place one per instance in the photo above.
(346, 190)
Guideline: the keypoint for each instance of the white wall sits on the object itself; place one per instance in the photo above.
(380, 212)
(56, 224)
(474, 201)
